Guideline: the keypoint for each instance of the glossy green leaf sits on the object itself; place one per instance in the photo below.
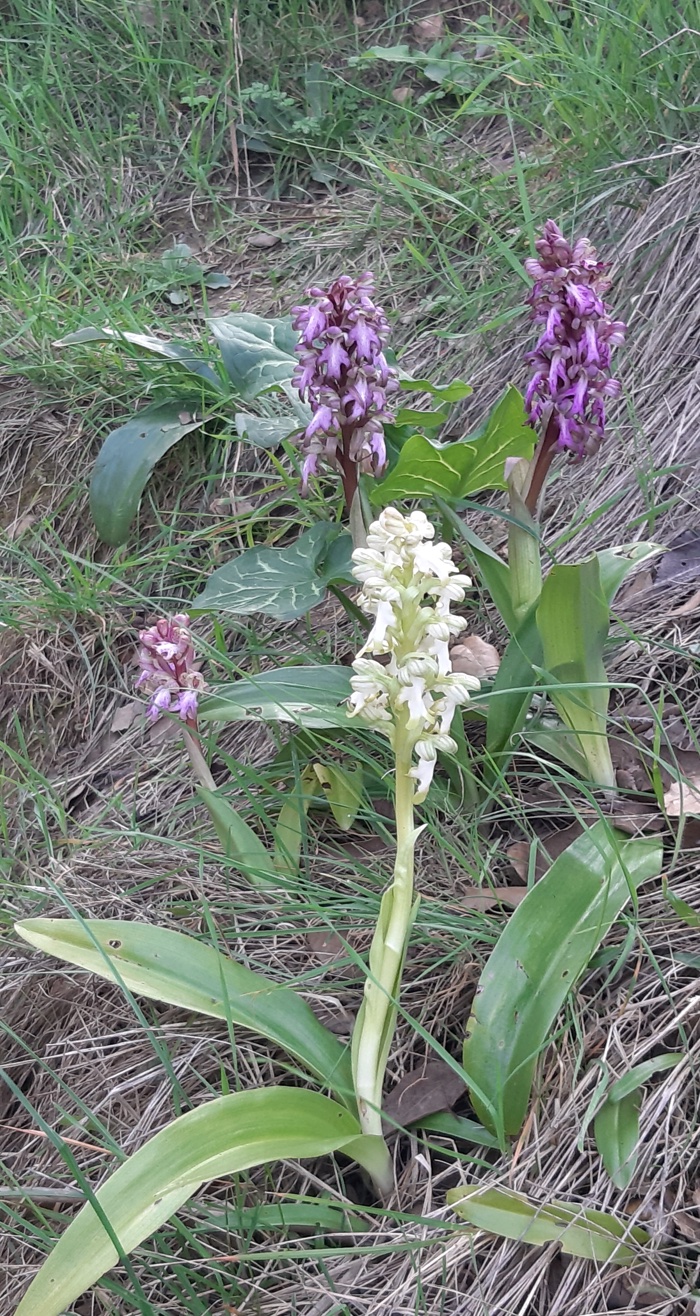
(239, 841)
(281, 582)
(178, 353)
(343, 791)
(616, 563)
(424, 420)
(307, 696)
(512, 690)
(215, 279)
(126, 460)
(456, 1126)
(495, 574)
(639, 1074)
(543, 950)
(616, 1130)
(319, 1215)
(257, 353)
(220, 1138)
(455, 470)
(573, 621)
(265, 431)
(581, 1231)
(447, 393)
(289, 832)
(561, 744)
(179, 970)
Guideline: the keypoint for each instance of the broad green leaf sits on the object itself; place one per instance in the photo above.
(543, 950)
(257, 353)
(447, 393)
(616, 1130)
(126, 459)
(581, 1231)
(455, 470)
(308, 696)
(389, 54)
(495, 573)
(616, 563)
(456, 1126)
(239, 841)
(179, 970)
(289, 832)
(321, 1215)
(573, 621)
(559, 743)
(512, 690)
(178, 353)
(216, 279)
(639, 1074)
(425, 420)
(265, 431)
(281, 582)
(220, 1138)
(343, 790)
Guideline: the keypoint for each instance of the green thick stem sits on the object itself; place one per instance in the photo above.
(524, 557)
(377, 1020)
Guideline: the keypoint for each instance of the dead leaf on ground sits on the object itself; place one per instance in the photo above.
(548, 849)
(432, 1087)
(264, 240)
(124, 716)
(682, 561)
(475, 657)
(429, 29)
(692, 605)
(401, 94)
(18, 527)
(488, 898)
(639, 584)
(682, 798)
(325, 946)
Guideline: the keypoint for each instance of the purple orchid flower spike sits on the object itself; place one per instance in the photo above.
(169, 672)
(344, 375)
(571, 381)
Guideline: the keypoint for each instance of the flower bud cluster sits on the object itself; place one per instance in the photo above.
(571, 380)
(169, 672)
(409, 584)
(343, 373)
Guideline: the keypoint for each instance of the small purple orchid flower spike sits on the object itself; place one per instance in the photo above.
(344, 375)
(571, 380)
(169, 672)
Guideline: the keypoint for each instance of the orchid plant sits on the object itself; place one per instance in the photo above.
(405, 688)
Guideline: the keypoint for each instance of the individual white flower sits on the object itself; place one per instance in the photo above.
(408, 586)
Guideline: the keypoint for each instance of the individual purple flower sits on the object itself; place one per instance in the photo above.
(343, 374)
(169, 672)
(571, 381)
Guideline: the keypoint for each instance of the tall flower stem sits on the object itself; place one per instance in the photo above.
(377, 1019)
(524, 557)
(197, 759)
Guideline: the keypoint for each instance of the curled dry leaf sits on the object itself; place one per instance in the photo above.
(475, 657)
(124, 716)
(429, 29)
(264, 240)
(432, 1087)
(682, 798)
(488, 898)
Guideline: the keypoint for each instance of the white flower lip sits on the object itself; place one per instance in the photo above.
(408, 585)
